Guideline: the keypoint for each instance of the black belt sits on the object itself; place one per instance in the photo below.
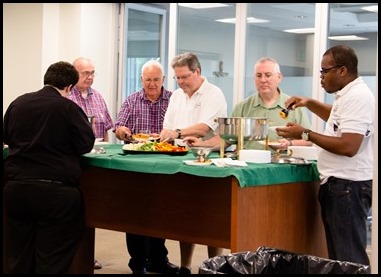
(334, 179)
(44, 181)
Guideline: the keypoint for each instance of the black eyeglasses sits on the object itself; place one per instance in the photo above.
(182, 78)
(155, 80)
(87, 73)
(326, 70)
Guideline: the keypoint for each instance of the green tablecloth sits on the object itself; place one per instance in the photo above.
(252, 175)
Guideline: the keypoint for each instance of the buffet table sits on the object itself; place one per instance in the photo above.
(238, 208)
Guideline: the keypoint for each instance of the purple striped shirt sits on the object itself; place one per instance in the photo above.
(139, 114)
(94, 105)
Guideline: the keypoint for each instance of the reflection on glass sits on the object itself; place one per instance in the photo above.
(144, 43)
(212, 41)
(350, 20)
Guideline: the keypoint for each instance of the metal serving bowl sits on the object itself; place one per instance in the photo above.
(201, 153)
(251, 128)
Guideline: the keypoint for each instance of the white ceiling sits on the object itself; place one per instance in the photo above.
(346, 18)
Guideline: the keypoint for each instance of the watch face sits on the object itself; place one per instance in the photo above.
(305, 135)
(178, 133)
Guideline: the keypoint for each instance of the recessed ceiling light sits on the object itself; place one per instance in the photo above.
(350, 37)
(249, 20)
(371, 8)
(301, 31)
(202, 5)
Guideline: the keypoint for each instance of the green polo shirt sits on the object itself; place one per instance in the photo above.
(253, 106)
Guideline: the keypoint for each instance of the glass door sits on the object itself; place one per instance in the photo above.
(144, 39)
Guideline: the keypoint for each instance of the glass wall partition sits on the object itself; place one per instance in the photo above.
(285, 32)
(145, 39)
(270, 31)
(356, 25)
(201, 31)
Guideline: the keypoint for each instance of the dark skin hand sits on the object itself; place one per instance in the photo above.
(346, 145)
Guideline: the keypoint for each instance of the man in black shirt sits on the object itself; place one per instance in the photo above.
(43, 205)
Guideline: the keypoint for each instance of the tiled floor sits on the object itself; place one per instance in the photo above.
(111, 252)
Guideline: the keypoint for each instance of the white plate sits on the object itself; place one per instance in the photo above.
(196, 163)
(271, 143)
(272, 128)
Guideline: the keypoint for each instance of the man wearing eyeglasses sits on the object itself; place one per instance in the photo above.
(143, 112)
(266, 103)
(345, 161)
(91, 100)
(192, 111)
(195, 104)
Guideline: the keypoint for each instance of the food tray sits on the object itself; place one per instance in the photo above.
(172, 153)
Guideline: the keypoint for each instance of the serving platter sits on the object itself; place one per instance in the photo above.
(154, 148)
(172, 153)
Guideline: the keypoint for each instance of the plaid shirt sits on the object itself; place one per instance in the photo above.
(94, 105)
(139, 114)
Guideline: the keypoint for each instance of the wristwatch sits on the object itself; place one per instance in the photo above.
(178, 131)
(306, 134)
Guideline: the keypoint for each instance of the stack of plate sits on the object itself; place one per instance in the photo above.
(255, 156)
(305, 152)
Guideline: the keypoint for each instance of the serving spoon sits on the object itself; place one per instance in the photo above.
(284, 112)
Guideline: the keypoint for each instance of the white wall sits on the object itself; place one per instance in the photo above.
(22, 50)
(39, 34)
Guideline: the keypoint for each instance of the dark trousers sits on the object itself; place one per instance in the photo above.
(145, 251)
(44, 225)
(345, 206)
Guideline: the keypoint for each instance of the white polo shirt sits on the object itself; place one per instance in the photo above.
(352, 112)
(205, 105)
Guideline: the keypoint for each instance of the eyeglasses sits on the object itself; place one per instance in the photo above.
(155, 80)
(267, 75)
(87, 73)
(182, 78)
(326, 70)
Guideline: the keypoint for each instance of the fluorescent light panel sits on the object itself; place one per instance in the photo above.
(350, 37)
(301, 31)
(249, 20)
(202, 5)
(371, 8)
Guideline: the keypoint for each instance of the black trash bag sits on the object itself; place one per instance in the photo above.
(237, 263)
(273, 261)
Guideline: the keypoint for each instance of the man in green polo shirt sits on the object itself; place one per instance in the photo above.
(268, 102)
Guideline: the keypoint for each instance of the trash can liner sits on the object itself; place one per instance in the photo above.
(273, 261)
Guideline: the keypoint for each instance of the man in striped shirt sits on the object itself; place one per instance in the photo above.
(143, 112)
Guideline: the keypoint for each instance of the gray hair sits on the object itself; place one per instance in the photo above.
(153, 63)
(186, 59)
(267, 59)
